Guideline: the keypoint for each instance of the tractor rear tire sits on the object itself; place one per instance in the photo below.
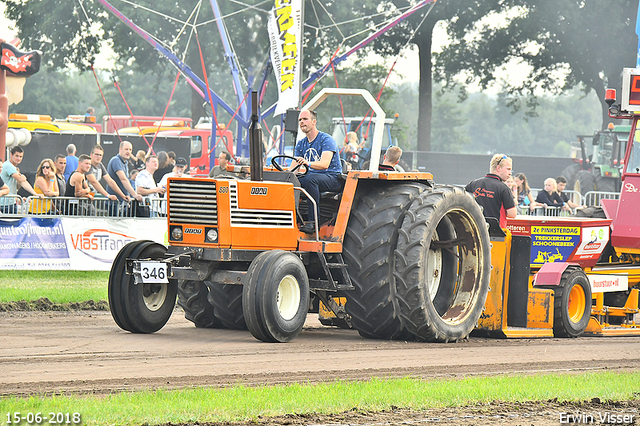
(227, 303)
(572, 303)
(275, 297)
(193, 298)
(369, 244)
(585, 182)
(570, 174)
(442, 266)
(605, 184)
(142, 308)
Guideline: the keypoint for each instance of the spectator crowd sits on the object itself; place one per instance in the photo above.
(80, 185)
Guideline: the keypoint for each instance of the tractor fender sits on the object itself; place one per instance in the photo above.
(551, 273)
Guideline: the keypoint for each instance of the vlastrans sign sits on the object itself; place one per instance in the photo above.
(286, 46)
(71, 243)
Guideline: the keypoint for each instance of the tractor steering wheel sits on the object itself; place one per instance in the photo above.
(279, 167)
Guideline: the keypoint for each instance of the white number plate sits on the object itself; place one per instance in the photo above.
(153, 272)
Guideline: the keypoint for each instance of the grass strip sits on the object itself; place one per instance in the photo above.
(241, 403)
(57, 286)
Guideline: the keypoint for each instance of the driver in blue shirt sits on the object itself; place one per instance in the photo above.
(318, 151)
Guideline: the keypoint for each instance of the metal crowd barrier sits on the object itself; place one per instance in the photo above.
(11, 205)
(544, 211)
(16, 206)
(592, 198)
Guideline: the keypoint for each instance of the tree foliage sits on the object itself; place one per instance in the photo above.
(418, 30)
(566, 44)
(484, 124)
(74, 41)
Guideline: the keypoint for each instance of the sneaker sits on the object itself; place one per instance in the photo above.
(308, 228)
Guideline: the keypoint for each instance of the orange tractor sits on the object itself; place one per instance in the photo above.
(412, 259)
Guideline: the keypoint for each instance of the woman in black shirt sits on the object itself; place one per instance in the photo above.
(550, 197)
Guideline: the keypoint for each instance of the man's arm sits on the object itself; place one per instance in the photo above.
(509, 203)
(4, 190)
(22, 182)
(113, 185)
(79, 191)
(94, 182)
(127, 185)
(322, 164)
(144, 186)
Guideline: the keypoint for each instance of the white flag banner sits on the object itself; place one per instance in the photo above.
(284, 33)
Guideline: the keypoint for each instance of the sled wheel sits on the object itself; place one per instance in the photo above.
(275, 296)
(572, 303)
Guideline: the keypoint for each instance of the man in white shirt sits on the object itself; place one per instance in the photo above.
(147, 187)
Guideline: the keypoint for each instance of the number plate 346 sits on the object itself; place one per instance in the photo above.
(152, 272)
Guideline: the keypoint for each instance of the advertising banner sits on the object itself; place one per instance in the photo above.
(85, 244)
(553, 243)
(286, 45)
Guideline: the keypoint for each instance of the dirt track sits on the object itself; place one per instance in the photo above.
(87, 352)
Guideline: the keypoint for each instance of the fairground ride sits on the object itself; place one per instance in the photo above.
(241, 113)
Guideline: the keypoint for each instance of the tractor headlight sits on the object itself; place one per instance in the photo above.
(176, 233)
(212, 235)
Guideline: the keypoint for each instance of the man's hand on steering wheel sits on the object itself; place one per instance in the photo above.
(301, 163)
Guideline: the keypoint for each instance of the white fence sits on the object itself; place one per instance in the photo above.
(591, 198)
(12, 206)
(16, 206)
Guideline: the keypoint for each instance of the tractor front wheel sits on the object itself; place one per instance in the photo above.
(275, 298)
(140, 308)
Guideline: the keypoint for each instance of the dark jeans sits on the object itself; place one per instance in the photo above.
(314, 184)
(9, 208)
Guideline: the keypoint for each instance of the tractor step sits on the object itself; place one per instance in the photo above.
(336, 275)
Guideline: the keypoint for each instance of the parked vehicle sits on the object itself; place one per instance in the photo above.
(598, 170)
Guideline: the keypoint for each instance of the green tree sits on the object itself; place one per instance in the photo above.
(566, 44)
(414, 30)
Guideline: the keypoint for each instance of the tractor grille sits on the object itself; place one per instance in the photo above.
(193, 201)
(256, 218)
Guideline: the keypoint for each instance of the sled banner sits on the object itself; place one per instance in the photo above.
(285, 36)
(83, 244)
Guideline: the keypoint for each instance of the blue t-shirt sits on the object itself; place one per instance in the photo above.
(8, 169)
(313, 151)
(117, 163)
(72, 166)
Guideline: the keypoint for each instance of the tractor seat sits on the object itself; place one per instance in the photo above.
(333, 195)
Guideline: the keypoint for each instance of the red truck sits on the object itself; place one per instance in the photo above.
(201, 153)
